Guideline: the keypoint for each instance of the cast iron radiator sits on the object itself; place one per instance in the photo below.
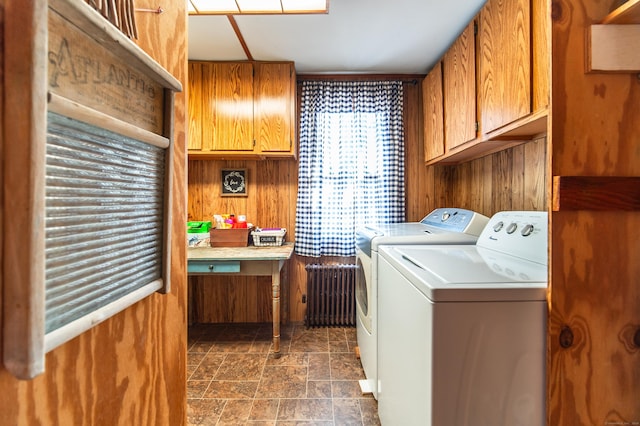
(331, 298)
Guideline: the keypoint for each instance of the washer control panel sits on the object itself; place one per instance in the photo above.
(456, 220)
(518, 233)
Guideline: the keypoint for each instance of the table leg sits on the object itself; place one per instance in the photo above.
(275, 286)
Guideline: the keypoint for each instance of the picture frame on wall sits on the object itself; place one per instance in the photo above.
(233, 183)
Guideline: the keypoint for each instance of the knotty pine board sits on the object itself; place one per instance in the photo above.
(594, 254)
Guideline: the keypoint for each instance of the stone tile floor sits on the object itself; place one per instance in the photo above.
(234, 378)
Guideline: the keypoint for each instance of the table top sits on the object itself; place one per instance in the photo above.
(282, 252)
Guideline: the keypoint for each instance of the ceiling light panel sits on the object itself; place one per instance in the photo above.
(260, 6)
(256, 7)
(215, 6)
(305, 6)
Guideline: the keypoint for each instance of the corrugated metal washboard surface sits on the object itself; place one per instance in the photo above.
(104, 218)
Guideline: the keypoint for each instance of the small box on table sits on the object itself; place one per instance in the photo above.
(235, 237)
(198, 234)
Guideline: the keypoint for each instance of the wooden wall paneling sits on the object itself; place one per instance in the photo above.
(427, 200)
(593, 378)
(463, 186)
(443, 186)
(298, 288)
(272, 195)
(264, 312)
(501, 180)
(210, 302)
(477, 200)
(487, 186)
(243, 299)
(517, 178)
(535, 192)
(195, 190)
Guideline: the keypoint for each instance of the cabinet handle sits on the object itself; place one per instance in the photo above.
(566, 337)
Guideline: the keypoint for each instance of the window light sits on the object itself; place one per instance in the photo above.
(238, 7)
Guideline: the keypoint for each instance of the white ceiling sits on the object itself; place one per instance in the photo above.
(356, 36)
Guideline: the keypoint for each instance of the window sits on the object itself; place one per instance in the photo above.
(351, 163)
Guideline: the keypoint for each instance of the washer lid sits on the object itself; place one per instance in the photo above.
(468, 273)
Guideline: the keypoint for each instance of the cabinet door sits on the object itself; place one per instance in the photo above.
(274, 101)
(229, 125)
(433, 113)
(459, 81)
(194, 137)
(505, 62)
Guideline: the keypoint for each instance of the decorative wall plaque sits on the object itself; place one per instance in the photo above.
(234, 182)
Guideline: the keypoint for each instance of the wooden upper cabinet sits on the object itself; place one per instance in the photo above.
(228, 126)
(433, 114)
(194, 94)
(504, 62)
(245, 110)
(274, 112)
(459, 81)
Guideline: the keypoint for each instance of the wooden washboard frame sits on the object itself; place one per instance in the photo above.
(63, 58)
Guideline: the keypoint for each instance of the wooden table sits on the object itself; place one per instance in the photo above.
(250, 260)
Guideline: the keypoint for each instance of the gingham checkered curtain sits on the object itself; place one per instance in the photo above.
(351, 168)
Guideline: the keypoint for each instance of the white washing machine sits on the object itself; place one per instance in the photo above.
(441, 226)
(462, 328)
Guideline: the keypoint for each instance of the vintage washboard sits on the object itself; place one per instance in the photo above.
(87, 190)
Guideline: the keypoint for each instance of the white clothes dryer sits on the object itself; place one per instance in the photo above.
(441, 226)
(461, 338)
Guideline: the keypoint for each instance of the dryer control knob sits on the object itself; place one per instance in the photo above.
(512, 228)
(498, 226)
(527, 230)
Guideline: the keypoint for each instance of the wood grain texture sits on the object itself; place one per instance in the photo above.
(24, 190)
(505, 62)
(627, 13)
(596, 193)
(233, 100)
(274, 102)
(130, 369)
(194, 96)
(459, 76)
(433, 107)
(541, 53)
(208, 118)
(513, 179)
(594, 254)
